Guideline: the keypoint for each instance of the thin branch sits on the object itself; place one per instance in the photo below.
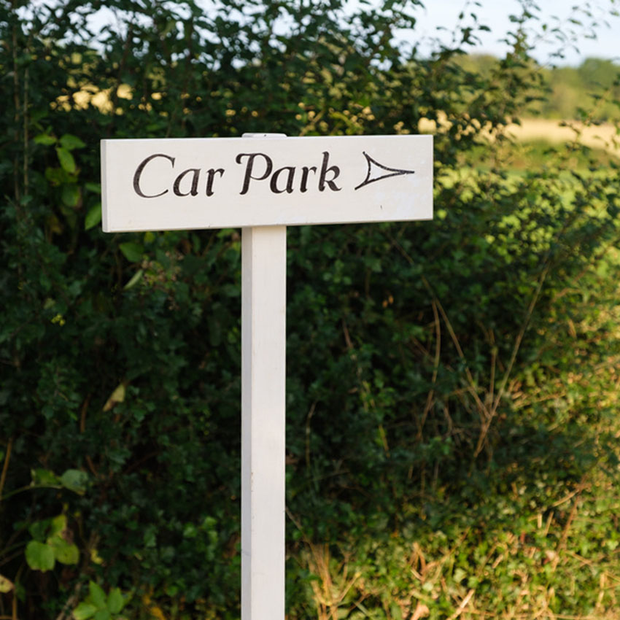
(472, 384)
(513, 357)
(5, 467)
(462, 606)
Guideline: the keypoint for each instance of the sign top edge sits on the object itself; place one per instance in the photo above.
(267, 138)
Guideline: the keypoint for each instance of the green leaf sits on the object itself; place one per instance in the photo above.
(71, 194)
(93, 187)
(64, 552)
(84, 611)
(7, 586)
(132, 251)
(396, 612)
(70, 142)
(97, 595)
(93, 217)
(103, 614)
(116, 601)
(57, 176)
(45, 139)
(39, 556)
(134, 280)
(39, 529)
(117, 396)
(66, 160)
(58, 525)
(75, 480)
(44, 478)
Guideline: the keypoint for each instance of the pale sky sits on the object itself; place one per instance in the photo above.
(495, 14)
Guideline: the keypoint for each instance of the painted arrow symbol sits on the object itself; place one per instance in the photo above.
(375, 173)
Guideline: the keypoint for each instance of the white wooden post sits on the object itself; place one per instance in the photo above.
(263, 366)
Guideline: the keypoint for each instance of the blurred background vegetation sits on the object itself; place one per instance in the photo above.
(571, 92)
(452, 385)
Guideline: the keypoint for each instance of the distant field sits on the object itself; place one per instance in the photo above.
(599, 137)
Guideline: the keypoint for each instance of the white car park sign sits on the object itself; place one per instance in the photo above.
(263, 183)
(240, 182)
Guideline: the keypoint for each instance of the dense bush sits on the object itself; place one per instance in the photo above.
(451, 385)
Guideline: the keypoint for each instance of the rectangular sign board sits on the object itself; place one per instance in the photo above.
(189, 183)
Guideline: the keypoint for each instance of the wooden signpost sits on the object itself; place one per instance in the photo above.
(263, 183)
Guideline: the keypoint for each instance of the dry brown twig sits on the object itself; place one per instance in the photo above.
(5, 467)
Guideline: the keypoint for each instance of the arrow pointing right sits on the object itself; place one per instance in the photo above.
(374, 172)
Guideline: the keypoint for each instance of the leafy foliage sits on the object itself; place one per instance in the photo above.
(451, 389)
(100, 606)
